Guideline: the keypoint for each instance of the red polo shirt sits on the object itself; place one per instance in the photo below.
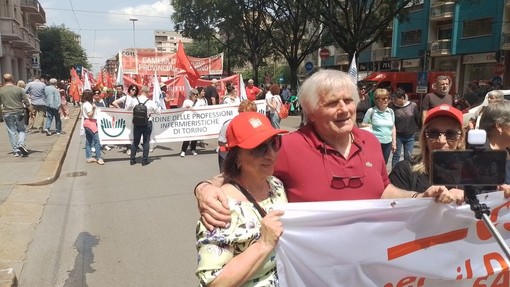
(252, 92)
(306, 166)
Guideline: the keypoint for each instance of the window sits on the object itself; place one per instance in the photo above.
(476, 28)
(411, 38)
(444, 32)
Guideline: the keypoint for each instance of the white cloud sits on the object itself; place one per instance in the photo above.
(160, 11)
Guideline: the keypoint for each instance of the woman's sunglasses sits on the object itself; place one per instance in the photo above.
(450, 134)
(275, 143)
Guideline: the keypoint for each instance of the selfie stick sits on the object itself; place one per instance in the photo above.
(482, 212)
(476, 138)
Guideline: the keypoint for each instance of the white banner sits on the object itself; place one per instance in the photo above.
(172, 125)
(392, 243)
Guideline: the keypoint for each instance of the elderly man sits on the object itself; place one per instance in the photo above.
(14, 101)
(53, 102)
(252, 92)
(328, 159)
(439, 96)
(35, 89)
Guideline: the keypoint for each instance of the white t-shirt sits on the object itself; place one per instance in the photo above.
(230, 100)
(86, 108)
(274, 100)
(152, 107)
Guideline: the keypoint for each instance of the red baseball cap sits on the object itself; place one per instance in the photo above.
(249, 129)
(444, 111)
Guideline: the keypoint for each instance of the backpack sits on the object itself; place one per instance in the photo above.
(140, 114)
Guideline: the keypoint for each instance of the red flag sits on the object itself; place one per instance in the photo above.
(182, 62)
(76, 85)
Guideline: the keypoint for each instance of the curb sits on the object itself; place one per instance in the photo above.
(8, 278)
(52, 164)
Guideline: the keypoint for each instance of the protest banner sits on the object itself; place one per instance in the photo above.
(173, 125)
(392, 243)
(148, 62)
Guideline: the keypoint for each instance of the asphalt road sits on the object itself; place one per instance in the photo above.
(120, 225)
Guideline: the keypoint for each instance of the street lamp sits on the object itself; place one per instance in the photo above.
(133, 19)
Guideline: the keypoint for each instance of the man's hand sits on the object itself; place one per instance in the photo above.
(213, 206)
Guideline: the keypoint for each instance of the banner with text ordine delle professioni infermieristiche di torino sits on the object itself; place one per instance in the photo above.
(173, 125)
(148, 62)
(392, 243)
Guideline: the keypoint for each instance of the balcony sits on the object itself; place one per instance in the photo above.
(342, 59)
(505, 41)
(442, 10)
(10, 30)
(441, 47)
(381, 54)
(32, 7)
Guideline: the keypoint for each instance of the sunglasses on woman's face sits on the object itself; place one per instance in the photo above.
(450, 134)
(275, 143)
(96, 93)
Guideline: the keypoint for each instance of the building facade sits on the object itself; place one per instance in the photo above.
(19, 47)
(470, 38)
(166, 41)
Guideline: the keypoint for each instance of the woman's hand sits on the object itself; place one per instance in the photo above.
(271, 228)
(458, 195)
(440, 192)
(213, 206)
(505, 188)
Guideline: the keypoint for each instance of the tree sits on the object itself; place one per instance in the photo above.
(294, 35)
(237, 25)
(60, 51)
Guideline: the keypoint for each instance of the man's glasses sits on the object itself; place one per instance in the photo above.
(450, 134)
(382, 99)
(96, 93)
(337, 181)
(275, 143)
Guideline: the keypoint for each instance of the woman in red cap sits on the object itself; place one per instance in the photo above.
(242, 253)
(442, 130)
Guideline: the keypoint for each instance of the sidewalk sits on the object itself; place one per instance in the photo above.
(22, 191)
(46, 153)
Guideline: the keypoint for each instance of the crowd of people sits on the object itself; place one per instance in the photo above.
(32, 108)
(326, 159)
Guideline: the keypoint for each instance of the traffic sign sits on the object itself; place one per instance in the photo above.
(324, 53)
(499, 69)
(308, 66)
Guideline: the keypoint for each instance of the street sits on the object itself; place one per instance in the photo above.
(120, 225)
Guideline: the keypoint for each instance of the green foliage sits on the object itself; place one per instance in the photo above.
(60, 52)
(356, 24)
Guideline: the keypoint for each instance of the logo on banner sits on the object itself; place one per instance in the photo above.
(113, 128)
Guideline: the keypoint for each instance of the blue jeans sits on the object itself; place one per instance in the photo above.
(92, 139)
(138, 132)
(15, 124)
(407, 142)
(274, 118)
(386, 150)
(50, 114)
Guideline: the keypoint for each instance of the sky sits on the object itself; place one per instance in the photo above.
(105, 27)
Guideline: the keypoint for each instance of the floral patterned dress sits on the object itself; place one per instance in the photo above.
(216, 248)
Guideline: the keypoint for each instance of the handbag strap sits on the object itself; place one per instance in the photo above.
(250, 198)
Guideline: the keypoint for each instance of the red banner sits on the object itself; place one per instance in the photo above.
(146, 62)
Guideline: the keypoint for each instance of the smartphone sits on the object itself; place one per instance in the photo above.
(468, 167)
